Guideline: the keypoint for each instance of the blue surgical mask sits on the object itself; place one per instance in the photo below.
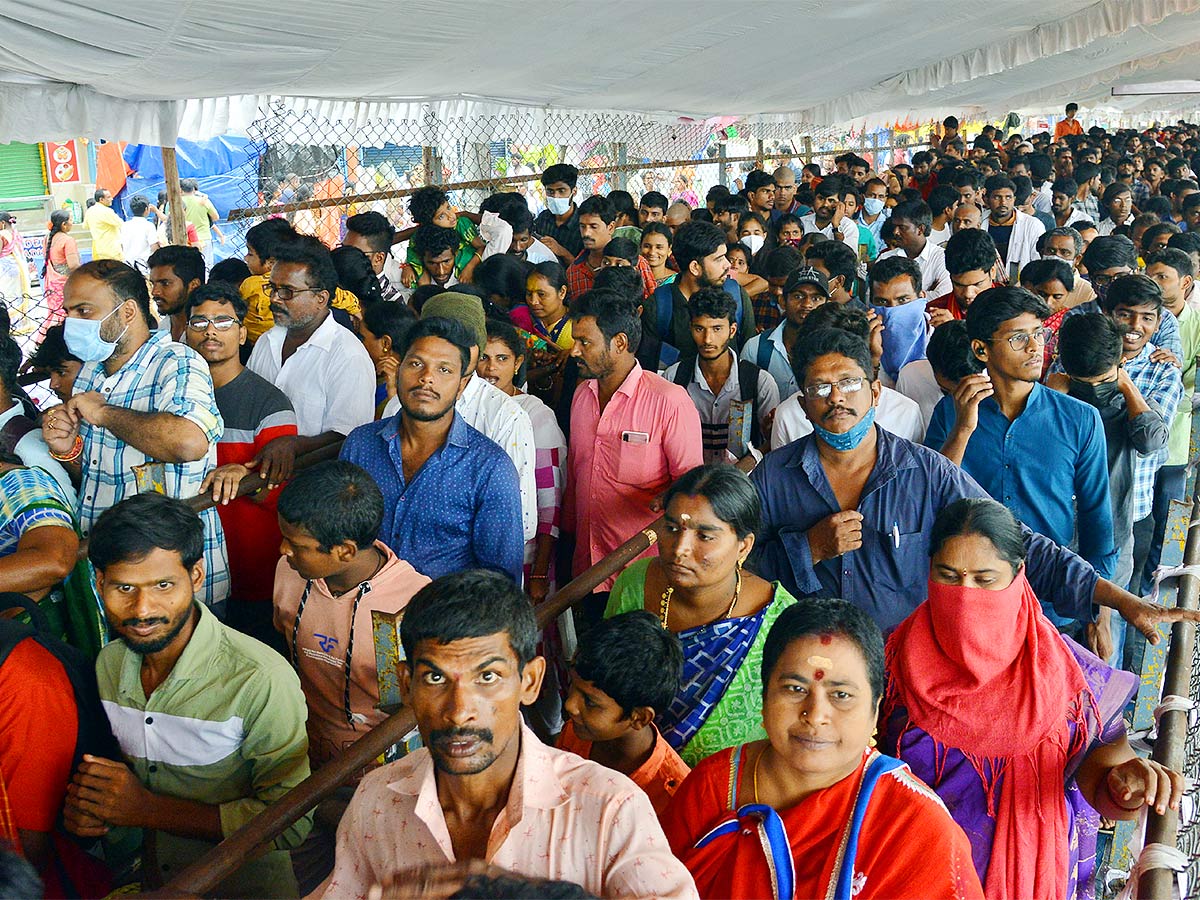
(83, 338)
(851, 438)
(873, 206)
(904, 334)
(558, 205)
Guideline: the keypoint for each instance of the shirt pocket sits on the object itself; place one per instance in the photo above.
(638, 464)
(899, 558)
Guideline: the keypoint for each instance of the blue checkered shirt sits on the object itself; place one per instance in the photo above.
(1161, 386)
(162, 376)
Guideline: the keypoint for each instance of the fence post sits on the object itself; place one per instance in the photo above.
(758, 162)
(807, 149)
(722, 166)
(174, 197)
(622, 159)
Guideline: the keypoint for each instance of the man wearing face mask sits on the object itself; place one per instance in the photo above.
(143, 415)
(874, 210)
(899, 301)
(557, 226)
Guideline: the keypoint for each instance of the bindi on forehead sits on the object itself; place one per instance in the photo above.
(827, 639)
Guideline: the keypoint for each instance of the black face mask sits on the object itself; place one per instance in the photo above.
(1101, 395)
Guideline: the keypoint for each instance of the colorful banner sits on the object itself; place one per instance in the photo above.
(62, 163)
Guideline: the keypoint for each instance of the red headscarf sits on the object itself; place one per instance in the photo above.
(984, 672)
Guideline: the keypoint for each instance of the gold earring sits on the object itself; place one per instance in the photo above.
(873, 742)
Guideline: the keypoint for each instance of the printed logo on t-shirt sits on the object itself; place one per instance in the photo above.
(325, 642)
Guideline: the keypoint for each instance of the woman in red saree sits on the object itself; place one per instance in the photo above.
(814, 811)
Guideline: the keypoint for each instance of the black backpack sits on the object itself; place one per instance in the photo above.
(95, 734)
(748, 374)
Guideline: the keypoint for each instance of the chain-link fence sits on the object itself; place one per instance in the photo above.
(317, 170)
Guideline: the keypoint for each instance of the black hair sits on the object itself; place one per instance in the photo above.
(1177, 259)
(1132, 290)
(126, 283)
(757, 180)
(632, 659)
(1157, 230)
(822, 341)
(842, 316)
(598, 206)
(395, 320)
(425, 292)
(1113, 191)
(230, 271)
(1109, 251)
(714, 192)
(780, 262)
(728, 490)
(305, 250)
(824, 616)
(219, 292)
(659, 228)
(752, 217)
(969, 250)
(264, 237)
(552, 271)
(138, 205)
(734, 203)
(1022, 188)
(1041, 271)
(995, 306)
(713, 303)
(143, 523)
(966, 177)
(837, 258)
(356, 275)
(470, 604)
(622, 203)
(830, 186)
(502, 275)
(434, 240)
(999, 183)
(786, 219)
(949, 351)
(654, 200)
(1072, 107)
(614, 314)
(334, 501)
(1089, 344)
(982, 516)
(622, 248)
(10, 363)
(941, 198)
(52, 351)
(424, 203)
(100, 193)
(374, 226)
(915, 211)
(1085, 172)
(894, 267)
(696, 240)
(625, 281)
(1160, 206)
(186, 262)
(1187, 241)
(506, 333)
(1040, 166)
(564, 172)
(1065, 185)
(450, 330)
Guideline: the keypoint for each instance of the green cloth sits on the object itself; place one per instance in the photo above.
(464, 308)
(226, 727)
(1180, 438)
(632, 232)
(737, 718)
(467, 232)
(196, 212)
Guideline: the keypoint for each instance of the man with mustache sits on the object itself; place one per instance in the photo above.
(210, 721)
(451, 495)
(484, 792)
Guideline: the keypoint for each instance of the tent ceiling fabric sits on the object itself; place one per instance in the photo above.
(125, 69)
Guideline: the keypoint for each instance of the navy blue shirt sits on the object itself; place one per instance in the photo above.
(1049, 466)
(462, 510)
(887, 576)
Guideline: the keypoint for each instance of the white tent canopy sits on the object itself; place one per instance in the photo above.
(149, 70)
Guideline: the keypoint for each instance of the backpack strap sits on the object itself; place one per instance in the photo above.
(663, 308)
(762, 358)
(683, 373)
(748, 375)
(734, 290)
(12, 432)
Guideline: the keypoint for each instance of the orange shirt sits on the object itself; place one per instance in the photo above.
(1065, 127)
(659, 776)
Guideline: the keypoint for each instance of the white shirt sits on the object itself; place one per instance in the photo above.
(847, 228)
(916, 382)
(33, 451)
(498, 416)
(940, 237)
(896, 413)
(537, 252)
(935, 280)
(138, 235)
(330, 379)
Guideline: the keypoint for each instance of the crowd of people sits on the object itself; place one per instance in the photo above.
(885, 663)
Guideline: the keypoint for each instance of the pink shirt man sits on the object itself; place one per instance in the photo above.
(567, 819)
(621, 459)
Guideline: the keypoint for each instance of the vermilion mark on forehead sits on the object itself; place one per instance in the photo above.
(827, 639)
(819, 674)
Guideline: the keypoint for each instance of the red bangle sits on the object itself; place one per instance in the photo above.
(76, 449)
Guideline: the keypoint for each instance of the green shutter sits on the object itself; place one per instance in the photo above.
(22, 174)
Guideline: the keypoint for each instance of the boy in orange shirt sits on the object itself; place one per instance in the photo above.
(626, 669)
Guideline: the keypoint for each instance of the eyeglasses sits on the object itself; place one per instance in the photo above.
(825, 388)
(221, 323)
(1021, 339)
(1099, 280)
(286, 292)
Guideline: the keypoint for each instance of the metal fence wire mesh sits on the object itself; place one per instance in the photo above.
(1189, 818)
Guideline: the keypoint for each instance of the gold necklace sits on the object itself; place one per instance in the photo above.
(664, 604)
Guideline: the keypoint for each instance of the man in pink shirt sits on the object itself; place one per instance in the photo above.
(632, 433)
(484, 787)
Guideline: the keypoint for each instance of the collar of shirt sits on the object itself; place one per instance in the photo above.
(1142, 359)
(458, 435)
(1012, 220)
(472, 392)
(891, 455)
(534, 785)
(196, 661)
(731, 383)
(628, 387)
(94, 373)
(321, 339)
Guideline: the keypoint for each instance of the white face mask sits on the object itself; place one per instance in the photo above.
(558, 205)
(873, 206)
(753, 242)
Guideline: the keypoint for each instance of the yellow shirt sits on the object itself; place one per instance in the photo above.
(105, 226)
(259, 319)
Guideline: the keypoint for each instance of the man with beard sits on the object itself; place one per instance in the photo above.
(322, 367)
(597, 221)
(452, 499)
(726, 392)
(829, 214)
(210, 722)
(1014, 233)
(632, 434)
(174, 272)
(484, 793)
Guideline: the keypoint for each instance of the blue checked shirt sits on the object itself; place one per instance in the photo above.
(1161, 386)
(162, 376)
